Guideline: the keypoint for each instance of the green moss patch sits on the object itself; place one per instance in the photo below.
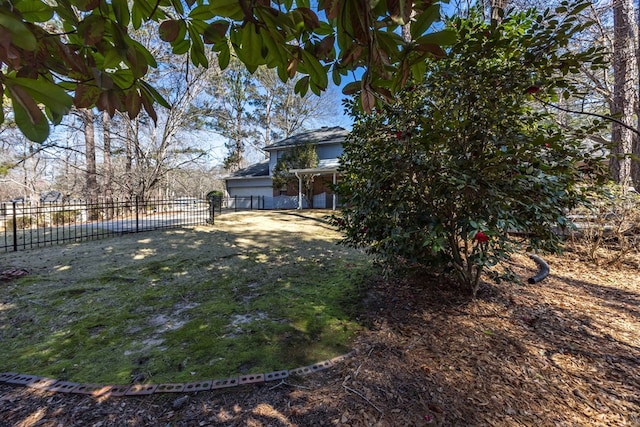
(257, 292)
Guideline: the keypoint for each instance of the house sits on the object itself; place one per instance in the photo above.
(254, 185)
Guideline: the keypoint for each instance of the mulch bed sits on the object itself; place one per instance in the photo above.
(563, 352)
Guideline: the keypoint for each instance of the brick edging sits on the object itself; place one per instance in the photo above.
(114, 390)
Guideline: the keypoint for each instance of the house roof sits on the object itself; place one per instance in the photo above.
(324, 166)
(256, 170)
(324, 135)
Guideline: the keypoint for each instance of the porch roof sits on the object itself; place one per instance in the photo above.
(325, 166)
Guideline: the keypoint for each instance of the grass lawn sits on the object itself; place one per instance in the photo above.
(256, 292)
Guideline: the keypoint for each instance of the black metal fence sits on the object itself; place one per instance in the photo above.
(31, 225)
(238, 203)
(25, 225)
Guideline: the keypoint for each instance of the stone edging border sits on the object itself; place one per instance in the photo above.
(104, 391)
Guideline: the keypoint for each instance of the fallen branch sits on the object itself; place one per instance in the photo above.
(346, 387)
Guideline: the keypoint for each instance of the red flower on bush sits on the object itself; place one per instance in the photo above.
(481, 237)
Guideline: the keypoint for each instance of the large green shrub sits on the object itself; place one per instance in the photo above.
(463, 169)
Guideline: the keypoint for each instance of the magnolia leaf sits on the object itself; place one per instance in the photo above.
(119, 36)
(121, 11)
(136, 16)
(146, 8)
(86, 5)
(142, 50)
(442, 38)
(310, 18)
(302, 85)
(292, 67)
(336, 77)
(352, 88)
(19, 96)
(28, 116)
(275, 55)
(54, 117)
(177, 5)
(153, 93)
(102, 78)
(92, 29)
(315, 69)
(326, 46)
(137, 62)
(434, 49)
(251, 46)
(147, 103)
(227, 8)
(109, 101)
(112, 58)
(198, 58)
(424, 20)
(281, 72)
(132, 103)
(224, 56)
(85, 95)
(34, 10)
(324, 29)
(216, 31)
(170, 30)
(202, 13)
(367, 99)
(43, 91)
(181, 47)
(332, 8)
(22, 37)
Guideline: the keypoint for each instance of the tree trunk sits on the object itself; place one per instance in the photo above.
(635, 163)
(625, 69)
(496, 6)
(108, 173)
(91, 180)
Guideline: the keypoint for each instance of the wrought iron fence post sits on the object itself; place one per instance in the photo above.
(213, 200)
(235, 203)
(15, 228)
(137, 216)
(251, 203)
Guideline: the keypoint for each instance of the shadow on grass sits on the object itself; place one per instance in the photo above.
(256, 293)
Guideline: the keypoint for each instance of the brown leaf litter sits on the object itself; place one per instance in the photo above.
(563, 352)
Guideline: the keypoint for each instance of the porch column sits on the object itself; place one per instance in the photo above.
(334, 192)
(299, 191)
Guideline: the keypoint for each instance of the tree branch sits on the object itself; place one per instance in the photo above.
(586, 113)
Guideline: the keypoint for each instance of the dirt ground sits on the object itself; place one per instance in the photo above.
(563, 352)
